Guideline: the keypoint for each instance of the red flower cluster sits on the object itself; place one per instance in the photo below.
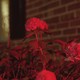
(35, 23)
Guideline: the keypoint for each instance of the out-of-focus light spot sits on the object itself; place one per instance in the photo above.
(5, 14)
(4, 22)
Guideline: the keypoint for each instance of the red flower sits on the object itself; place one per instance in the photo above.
(35, 23)
(43, 25)
(46, 75)
(32, 24)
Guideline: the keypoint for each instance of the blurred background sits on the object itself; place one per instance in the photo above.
(62, 16)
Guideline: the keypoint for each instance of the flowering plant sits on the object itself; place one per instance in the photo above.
(70, 65)
(71, 50)
(32, 61)
(35, 23)
(22, 61)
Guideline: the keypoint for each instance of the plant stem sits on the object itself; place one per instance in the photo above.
(42, 54)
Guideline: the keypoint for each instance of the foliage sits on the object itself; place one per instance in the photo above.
(33, 58)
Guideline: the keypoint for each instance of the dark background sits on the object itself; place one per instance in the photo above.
(17, 19)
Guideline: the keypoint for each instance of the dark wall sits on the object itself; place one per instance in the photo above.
(62, 16)
(17, 19)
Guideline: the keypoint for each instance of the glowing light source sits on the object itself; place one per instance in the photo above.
(4, 19)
